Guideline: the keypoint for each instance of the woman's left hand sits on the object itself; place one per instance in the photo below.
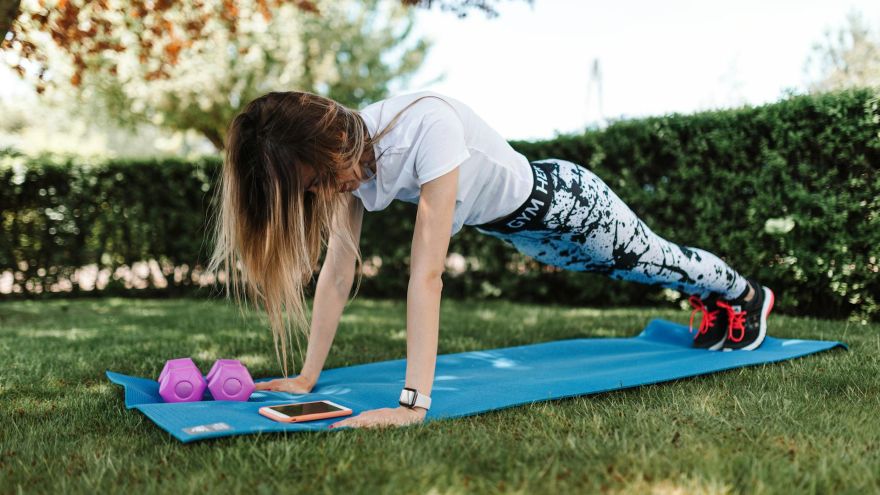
(386, 416)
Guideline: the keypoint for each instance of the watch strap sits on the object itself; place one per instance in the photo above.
(410, 397)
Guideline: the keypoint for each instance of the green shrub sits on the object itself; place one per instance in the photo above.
(786, 192)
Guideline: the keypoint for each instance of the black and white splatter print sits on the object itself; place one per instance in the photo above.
(587, 227)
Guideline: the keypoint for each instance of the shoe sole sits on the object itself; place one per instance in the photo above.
(714, 347)
(719, 345)
(762, 333)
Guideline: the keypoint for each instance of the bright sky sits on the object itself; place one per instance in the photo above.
(526, 72)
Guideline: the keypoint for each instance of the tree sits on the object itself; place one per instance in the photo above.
(850, 59)
(338, 54)
(460, 7)
(8, 13)
(161, 29)
(86, 32)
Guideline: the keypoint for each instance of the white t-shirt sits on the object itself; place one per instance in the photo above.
(431, 138)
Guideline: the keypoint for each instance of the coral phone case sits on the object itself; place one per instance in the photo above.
(299, 418)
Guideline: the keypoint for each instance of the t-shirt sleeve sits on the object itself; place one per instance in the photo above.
(442, 146)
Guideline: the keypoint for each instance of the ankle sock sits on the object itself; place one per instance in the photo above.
(741, 299)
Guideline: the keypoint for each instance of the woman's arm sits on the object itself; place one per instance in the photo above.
(427, 263)
(331, 294)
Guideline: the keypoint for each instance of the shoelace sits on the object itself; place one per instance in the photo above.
(737, 321)
(708, 317)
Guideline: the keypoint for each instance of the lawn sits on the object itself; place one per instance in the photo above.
(808, 425)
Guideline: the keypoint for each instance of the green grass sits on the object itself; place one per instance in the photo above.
(806, 425)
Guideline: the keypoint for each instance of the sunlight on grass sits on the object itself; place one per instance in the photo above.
(444, 491)
(581, 313)
(66, 429)
(69, 334)
(364, 319)
(485, 314)
(211, 354)
(147, 312)
(253, 360)
(705, 404)
(689, 486)
(34, 406)
(98, 388)
(603, 332)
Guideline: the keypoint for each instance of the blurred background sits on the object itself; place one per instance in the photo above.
(114, 85)
(531, 69)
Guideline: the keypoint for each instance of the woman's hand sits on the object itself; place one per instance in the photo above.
(298, 385)
(386, 416)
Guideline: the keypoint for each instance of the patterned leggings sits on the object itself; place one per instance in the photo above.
(573, 220)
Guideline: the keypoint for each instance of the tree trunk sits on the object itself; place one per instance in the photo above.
(215, 137)
(8, 14)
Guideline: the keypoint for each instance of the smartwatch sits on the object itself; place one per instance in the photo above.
(411, 398)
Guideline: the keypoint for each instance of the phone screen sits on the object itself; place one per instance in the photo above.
(305, 408)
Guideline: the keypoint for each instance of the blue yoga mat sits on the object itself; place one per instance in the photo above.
(468, 383)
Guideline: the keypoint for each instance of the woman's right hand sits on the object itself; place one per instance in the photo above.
(298, 385)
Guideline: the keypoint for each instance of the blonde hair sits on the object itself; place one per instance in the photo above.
(269, 232)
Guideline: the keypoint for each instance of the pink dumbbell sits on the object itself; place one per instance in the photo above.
(181, 381)
(230, 380)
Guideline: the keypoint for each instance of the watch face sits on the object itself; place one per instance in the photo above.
(408, 399)
(411, 398)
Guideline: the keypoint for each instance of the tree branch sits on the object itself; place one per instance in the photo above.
(8, 13)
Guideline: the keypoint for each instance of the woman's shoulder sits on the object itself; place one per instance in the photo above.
(429, 102)
(413, 95)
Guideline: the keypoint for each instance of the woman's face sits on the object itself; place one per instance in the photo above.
(348, 180)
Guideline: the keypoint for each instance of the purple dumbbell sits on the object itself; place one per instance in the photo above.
(230, 380)
(181, 381)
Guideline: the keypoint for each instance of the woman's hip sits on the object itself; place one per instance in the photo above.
(560, 193)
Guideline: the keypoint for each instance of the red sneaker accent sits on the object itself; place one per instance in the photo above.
(737, 321)
(708, 318)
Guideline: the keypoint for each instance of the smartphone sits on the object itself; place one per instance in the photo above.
(304, 411)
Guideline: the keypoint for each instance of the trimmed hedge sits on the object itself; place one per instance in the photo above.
(61, 215)
(787, 192)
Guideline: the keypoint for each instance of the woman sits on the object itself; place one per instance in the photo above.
(301, 169)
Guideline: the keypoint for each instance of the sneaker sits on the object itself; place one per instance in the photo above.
(747, 321)
(713, 325)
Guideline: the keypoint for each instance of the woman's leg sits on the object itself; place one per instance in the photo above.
(573, 220)
(589, 228)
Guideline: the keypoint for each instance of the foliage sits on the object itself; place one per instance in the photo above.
(461, 7)
(850, 59)
(155, 32)
(194, 64)
(788, 193)
(59, 216)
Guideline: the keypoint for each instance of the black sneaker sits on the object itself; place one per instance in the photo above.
(747, 321)
(713, 324)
